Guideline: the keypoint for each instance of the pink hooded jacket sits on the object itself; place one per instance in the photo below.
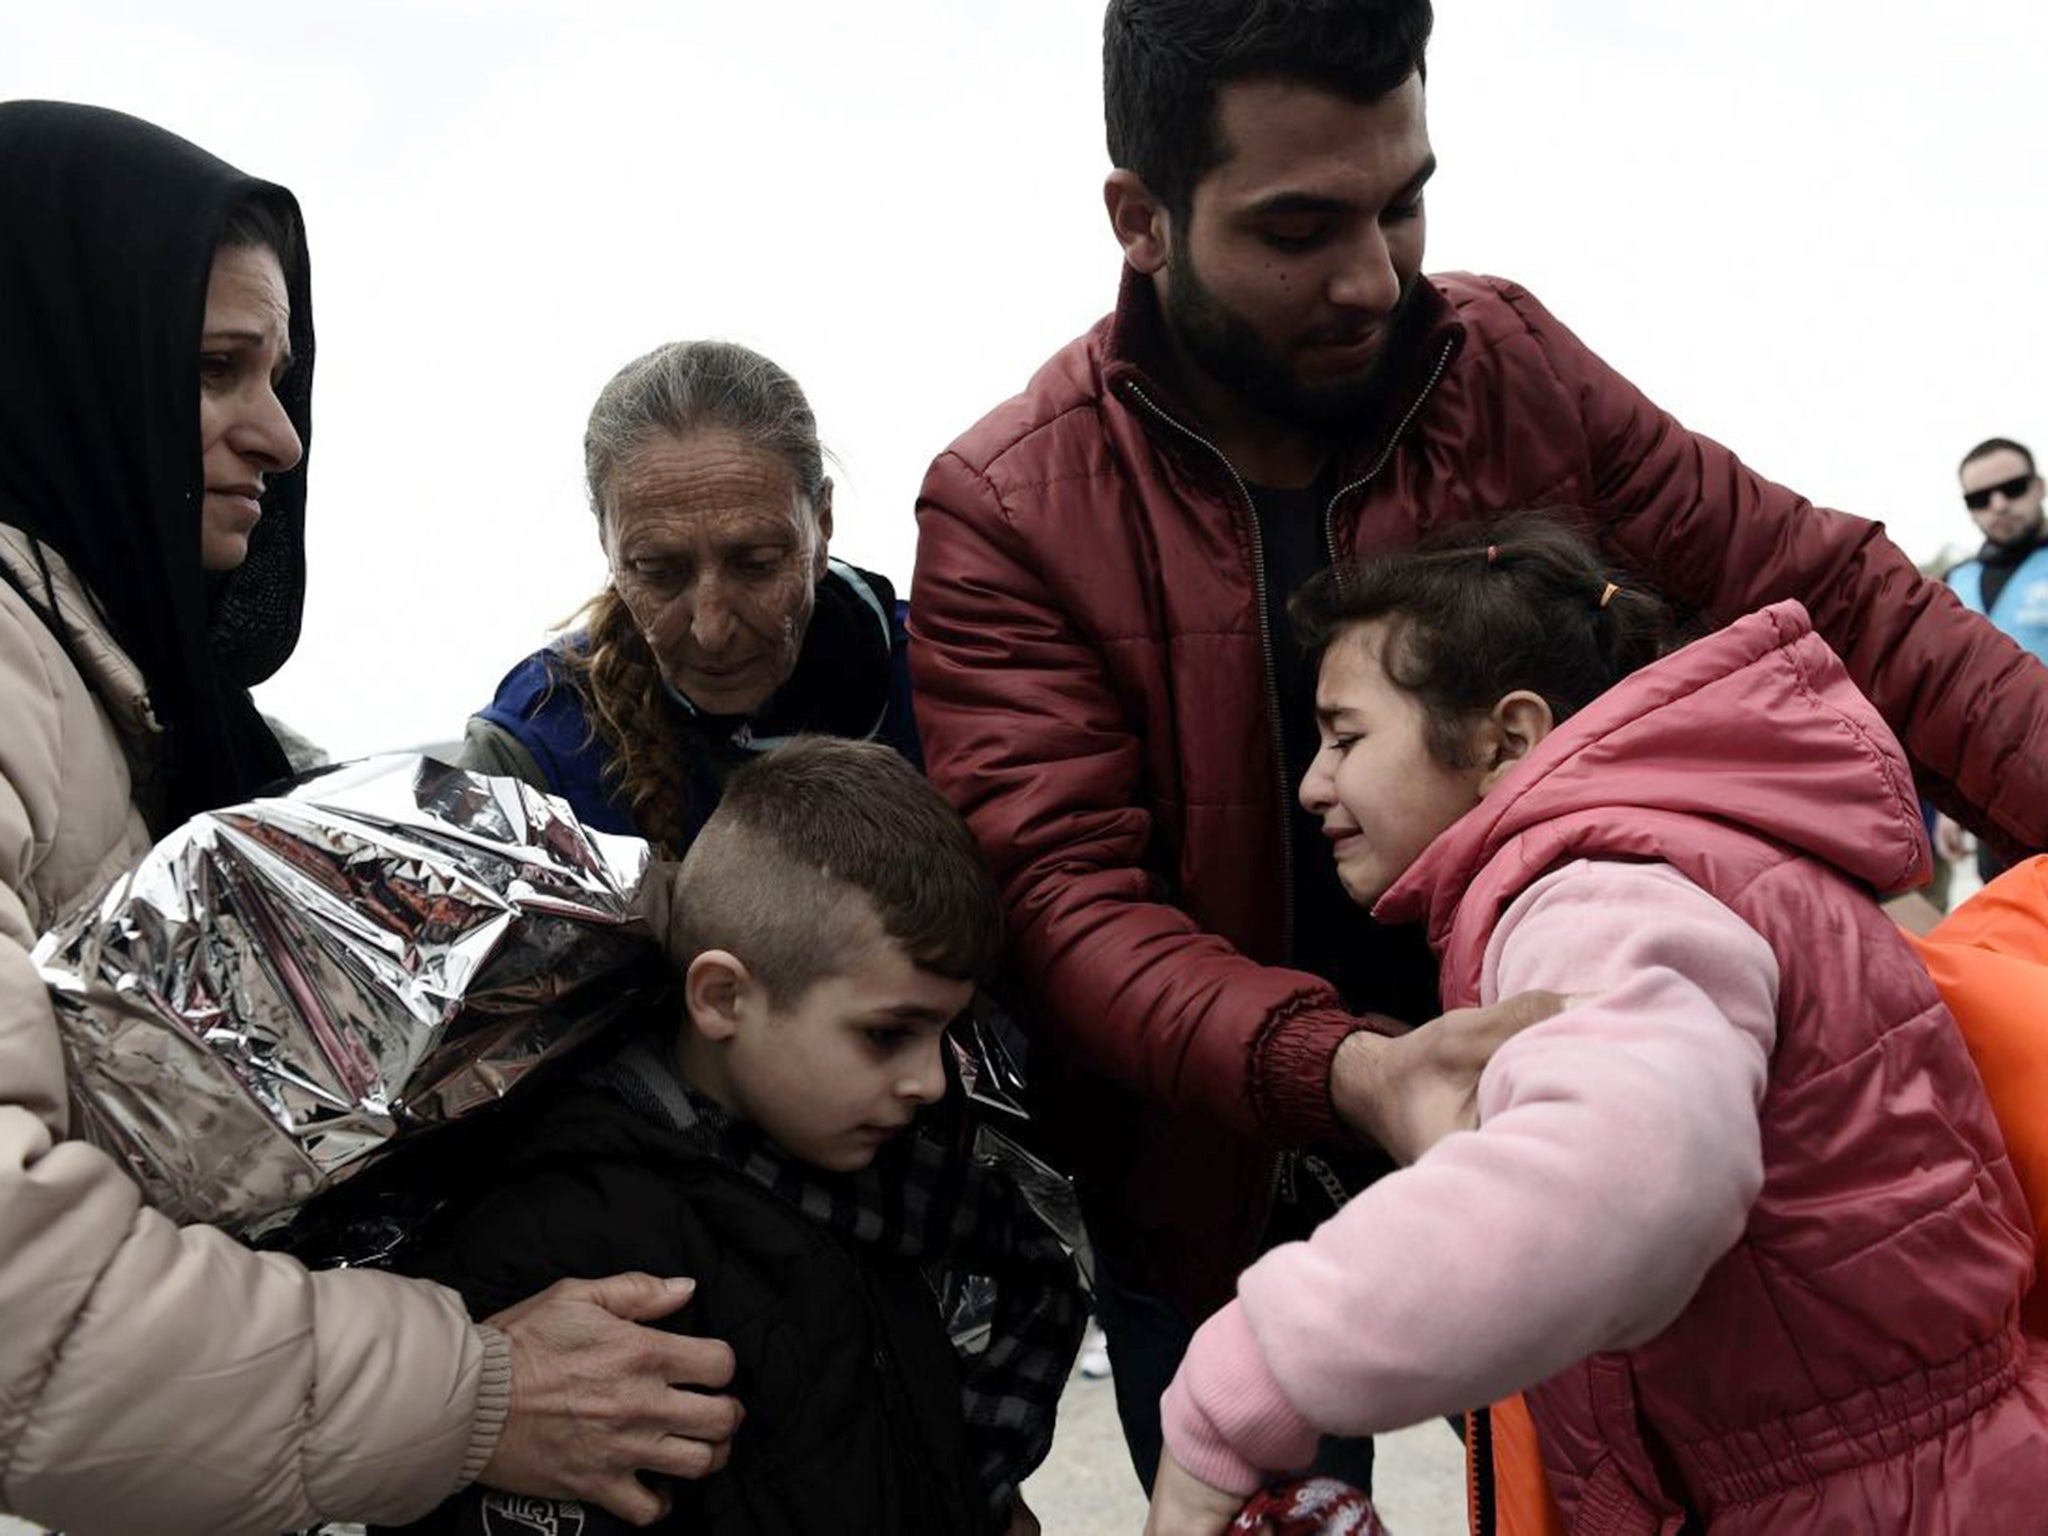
(1742, 1211)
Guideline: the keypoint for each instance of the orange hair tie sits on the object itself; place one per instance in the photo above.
(1608, 593)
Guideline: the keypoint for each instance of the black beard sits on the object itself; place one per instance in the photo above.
(1223, 345)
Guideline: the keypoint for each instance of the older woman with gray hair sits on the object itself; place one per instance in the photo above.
(725, 627)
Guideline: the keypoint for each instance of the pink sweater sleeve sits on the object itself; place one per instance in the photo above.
(1616, 1160)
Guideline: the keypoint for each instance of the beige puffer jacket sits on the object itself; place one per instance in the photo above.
(154, 1377)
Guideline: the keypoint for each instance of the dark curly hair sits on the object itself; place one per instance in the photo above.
(1522, 601)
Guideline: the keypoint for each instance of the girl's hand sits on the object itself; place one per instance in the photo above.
(1184, 1505)
(1951, 842)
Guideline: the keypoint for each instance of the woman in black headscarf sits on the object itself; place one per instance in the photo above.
(152, 1376)
(109, 243)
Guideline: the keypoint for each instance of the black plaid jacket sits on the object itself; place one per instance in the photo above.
(629, 1170)
(927, 1199)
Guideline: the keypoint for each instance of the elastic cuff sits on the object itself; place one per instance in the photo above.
(493, 1403)
(1291, 1071)
(1224, 1416)
(1192, 1439)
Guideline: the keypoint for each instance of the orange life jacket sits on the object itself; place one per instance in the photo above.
(1989, 958)
(1506, 1491)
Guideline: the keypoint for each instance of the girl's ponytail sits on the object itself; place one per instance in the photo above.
(1634, 628)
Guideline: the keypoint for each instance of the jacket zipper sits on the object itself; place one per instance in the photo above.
(1281, 1169)
(1258, 545)
(1479, 1469)
(1443, 361)
(899, 1418)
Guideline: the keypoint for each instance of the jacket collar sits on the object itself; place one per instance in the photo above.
(1137, 355)
(114, 679)
(842, 681)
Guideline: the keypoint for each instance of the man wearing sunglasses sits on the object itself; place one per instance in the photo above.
(2007, 581)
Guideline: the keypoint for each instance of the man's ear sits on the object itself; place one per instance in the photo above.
(1513, 729)
(1139, 220)
(716, 990)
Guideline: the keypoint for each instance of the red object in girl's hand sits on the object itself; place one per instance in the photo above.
(1313, 1506)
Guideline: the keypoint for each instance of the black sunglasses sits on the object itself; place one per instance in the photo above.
(2011, 490)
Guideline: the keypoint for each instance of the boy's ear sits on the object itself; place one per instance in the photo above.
(715, 992)
(1513, 729)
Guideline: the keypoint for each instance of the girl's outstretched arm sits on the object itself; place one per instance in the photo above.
(1617, 1157)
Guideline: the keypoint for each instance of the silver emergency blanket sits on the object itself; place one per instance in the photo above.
(281, 987)
(985, 1044)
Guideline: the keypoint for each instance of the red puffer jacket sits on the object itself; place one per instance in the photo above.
(1094, 694)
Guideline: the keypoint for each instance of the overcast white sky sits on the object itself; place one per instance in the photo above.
(1811, 228)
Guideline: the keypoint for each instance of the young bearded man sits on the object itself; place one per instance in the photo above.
(1107, 686)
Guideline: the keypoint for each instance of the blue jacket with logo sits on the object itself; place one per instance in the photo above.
(2021, 610)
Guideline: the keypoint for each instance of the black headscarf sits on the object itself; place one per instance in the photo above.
(108, 227)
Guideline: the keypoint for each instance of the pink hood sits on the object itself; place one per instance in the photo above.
(1757, 724)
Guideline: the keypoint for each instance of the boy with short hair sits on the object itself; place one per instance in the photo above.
(828, 923)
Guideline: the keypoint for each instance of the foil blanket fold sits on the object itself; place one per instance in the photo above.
(279, 988)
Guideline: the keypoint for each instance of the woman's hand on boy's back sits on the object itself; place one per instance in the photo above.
(597, 1397)
(1408, 1091)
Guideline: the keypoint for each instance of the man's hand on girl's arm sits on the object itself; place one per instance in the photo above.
(1407, 1092)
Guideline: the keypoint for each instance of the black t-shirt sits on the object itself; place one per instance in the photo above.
(1376, 969)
